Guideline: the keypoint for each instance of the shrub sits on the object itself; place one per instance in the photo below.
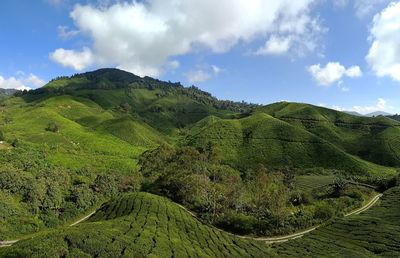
(52, 127)
(323, 211)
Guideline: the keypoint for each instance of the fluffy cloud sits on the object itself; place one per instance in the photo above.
(384, 54)
(141, 36)
(332, 72)
(21, 83)
(275, 46)
(380, 105)
(203, 73)
(77, 60)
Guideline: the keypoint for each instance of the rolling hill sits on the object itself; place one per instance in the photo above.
(138, 225)
(76, 142)
(276, 142)
(374, 233)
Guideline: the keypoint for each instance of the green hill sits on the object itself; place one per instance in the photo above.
(76, 142)
(375, 233)
(261, 138)
(138, 225)
(5, 93)
(373, 139)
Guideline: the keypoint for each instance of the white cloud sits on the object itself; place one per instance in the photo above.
(275, 46)
(380, 105)
(198, 76)
(141, 36)
(384, 54)
(65, 33)
(77, 60)
(217, 70)
(332, 72)
(34, 81)
(20, 82)
(364, 8)
(353, 72)
(203, 73)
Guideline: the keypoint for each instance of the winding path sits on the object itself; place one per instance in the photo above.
(281, 239)
(11, 242)
(268, 240)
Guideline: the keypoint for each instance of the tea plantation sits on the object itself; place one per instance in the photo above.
(375, 233)
(138, 225)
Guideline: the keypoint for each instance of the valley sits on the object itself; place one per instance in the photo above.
(139, 149)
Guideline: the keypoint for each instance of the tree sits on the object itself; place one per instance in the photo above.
(52, 127)
(288, 178)
(339, 185)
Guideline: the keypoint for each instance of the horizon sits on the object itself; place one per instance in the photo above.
(333, 54)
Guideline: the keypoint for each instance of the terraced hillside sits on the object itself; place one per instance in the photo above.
(261, 138)
(374, 233)
(138, 225)
(374, 139)
(77, 141)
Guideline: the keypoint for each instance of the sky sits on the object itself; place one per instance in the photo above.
(341, 54)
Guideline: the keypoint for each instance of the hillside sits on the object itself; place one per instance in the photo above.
(77, 142)
(4, 93)
(395, 117)
(374, 233)
(275, 142)
(138, 225)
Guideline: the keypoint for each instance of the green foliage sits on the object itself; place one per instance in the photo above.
(52, 127)
(275, 143)
(261, 203)
(138, 225)
(250, 169)
(374, 233)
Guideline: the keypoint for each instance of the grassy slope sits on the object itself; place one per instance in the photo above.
(375, 233)
(261, 138)
(141, 225)
(372, 139)
(76, 144)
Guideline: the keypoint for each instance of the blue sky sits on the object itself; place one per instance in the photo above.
(342, 54)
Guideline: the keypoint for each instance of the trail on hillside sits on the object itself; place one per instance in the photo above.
(268, 240)
(280, 239)
(7, 243)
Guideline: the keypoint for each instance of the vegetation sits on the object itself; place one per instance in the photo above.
(5, 93)
(257, 202)
(138, 225)
(261, 138)
(375, 233)
(395, 117)
(105, 135)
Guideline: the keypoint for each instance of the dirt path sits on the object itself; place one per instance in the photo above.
(365, 207)
(11, 242)
(281, 239)
(82, 219)
(268, 240)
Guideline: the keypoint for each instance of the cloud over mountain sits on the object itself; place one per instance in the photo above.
(143, 37)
